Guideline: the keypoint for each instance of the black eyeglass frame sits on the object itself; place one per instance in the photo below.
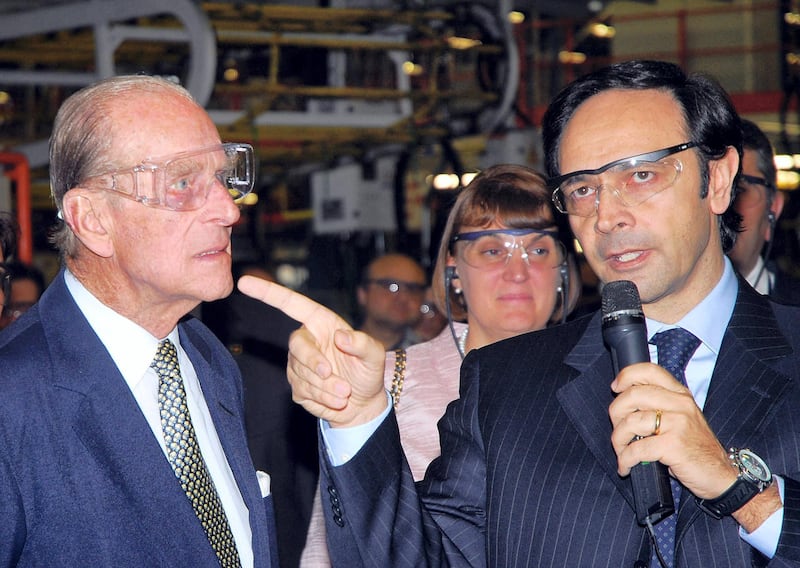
(558, 197)
(755, 180)
(475, 235)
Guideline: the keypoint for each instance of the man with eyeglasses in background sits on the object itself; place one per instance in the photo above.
(537, 451)
(760, 204)
(121, 420)
(390, 296)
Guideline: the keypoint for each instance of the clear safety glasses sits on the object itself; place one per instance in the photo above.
(633, 180)
(493, 248)
(182, 182)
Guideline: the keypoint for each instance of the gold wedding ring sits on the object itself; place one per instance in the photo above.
(657, 427)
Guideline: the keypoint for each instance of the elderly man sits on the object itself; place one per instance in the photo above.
(121, 421)
(537, 451)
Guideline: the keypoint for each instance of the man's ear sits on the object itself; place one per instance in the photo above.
(83, 212)
(721, 175)
(774, 213)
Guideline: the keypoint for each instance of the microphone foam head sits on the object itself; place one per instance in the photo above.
(620, 296)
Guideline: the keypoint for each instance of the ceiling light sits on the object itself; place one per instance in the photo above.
(516, 17)
(445, 182)
(412, 69)
(784, 162)
(571, 57)
(602, 31)
(788, 180)
(462, 42)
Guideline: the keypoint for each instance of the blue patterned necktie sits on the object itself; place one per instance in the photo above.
(184, 455)
(675, 347)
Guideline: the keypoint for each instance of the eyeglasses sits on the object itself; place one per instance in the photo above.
(751, 191)
(181, 182)
(493, 248)
(633, 180)
(398, 286)
(5, 285)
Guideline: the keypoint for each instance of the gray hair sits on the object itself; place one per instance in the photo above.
(83, 136)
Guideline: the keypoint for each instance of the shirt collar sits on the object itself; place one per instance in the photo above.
(760, 277)
(130, 346)
(709, 319)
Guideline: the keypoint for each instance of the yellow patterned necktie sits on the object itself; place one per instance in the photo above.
(184, 455)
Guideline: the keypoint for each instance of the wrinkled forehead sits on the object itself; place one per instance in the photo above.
(158, 125)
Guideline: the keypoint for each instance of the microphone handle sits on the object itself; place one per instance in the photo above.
(652, 492)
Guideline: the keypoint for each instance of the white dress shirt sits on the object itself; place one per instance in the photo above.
(132, 348)
(761, 278)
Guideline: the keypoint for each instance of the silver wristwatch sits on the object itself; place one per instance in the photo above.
(754, 477)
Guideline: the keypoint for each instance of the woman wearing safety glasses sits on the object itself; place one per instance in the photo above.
(503, 269)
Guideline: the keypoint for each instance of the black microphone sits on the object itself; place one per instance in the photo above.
(625, 335)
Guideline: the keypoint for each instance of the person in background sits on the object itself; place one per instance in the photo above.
(502, 269)
(8, 245)
(122, 419)
(432, 321)
(26, 286)
(760, 204)
(390, 295)
(537, 451)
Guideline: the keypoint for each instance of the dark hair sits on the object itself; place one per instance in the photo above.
(22, 271)
(518, 198)
(753, 138)
(711, 121)
(8, 234)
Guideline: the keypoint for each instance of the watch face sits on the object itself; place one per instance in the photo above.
(754, 465)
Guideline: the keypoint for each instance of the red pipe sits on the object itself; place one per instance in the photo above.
(19, 171)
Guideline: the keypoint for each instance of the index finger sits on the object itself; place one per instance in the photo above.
(293, 304)
(640, 374)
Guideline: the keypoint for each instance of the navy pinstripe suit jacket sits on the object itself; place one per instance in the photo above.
(528, 476)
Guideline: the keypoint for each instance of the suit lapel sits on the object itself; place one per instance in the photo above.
(129, 463)
(745, 390)
(224, 399)
(586, 398)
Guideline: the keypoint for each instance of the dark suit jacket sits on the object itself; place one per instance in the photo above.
(786, 288)
(83, 481)
(528, 476)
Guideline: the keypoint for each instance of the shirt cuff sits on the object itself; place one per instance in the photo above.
(765, 538)
(342, 444)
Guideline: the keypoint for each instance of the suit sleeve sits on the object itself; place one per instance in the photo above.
(788, 552)
(376, 515)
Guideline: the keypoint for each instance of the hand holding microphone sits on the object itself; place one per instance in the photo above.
(625, 335)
